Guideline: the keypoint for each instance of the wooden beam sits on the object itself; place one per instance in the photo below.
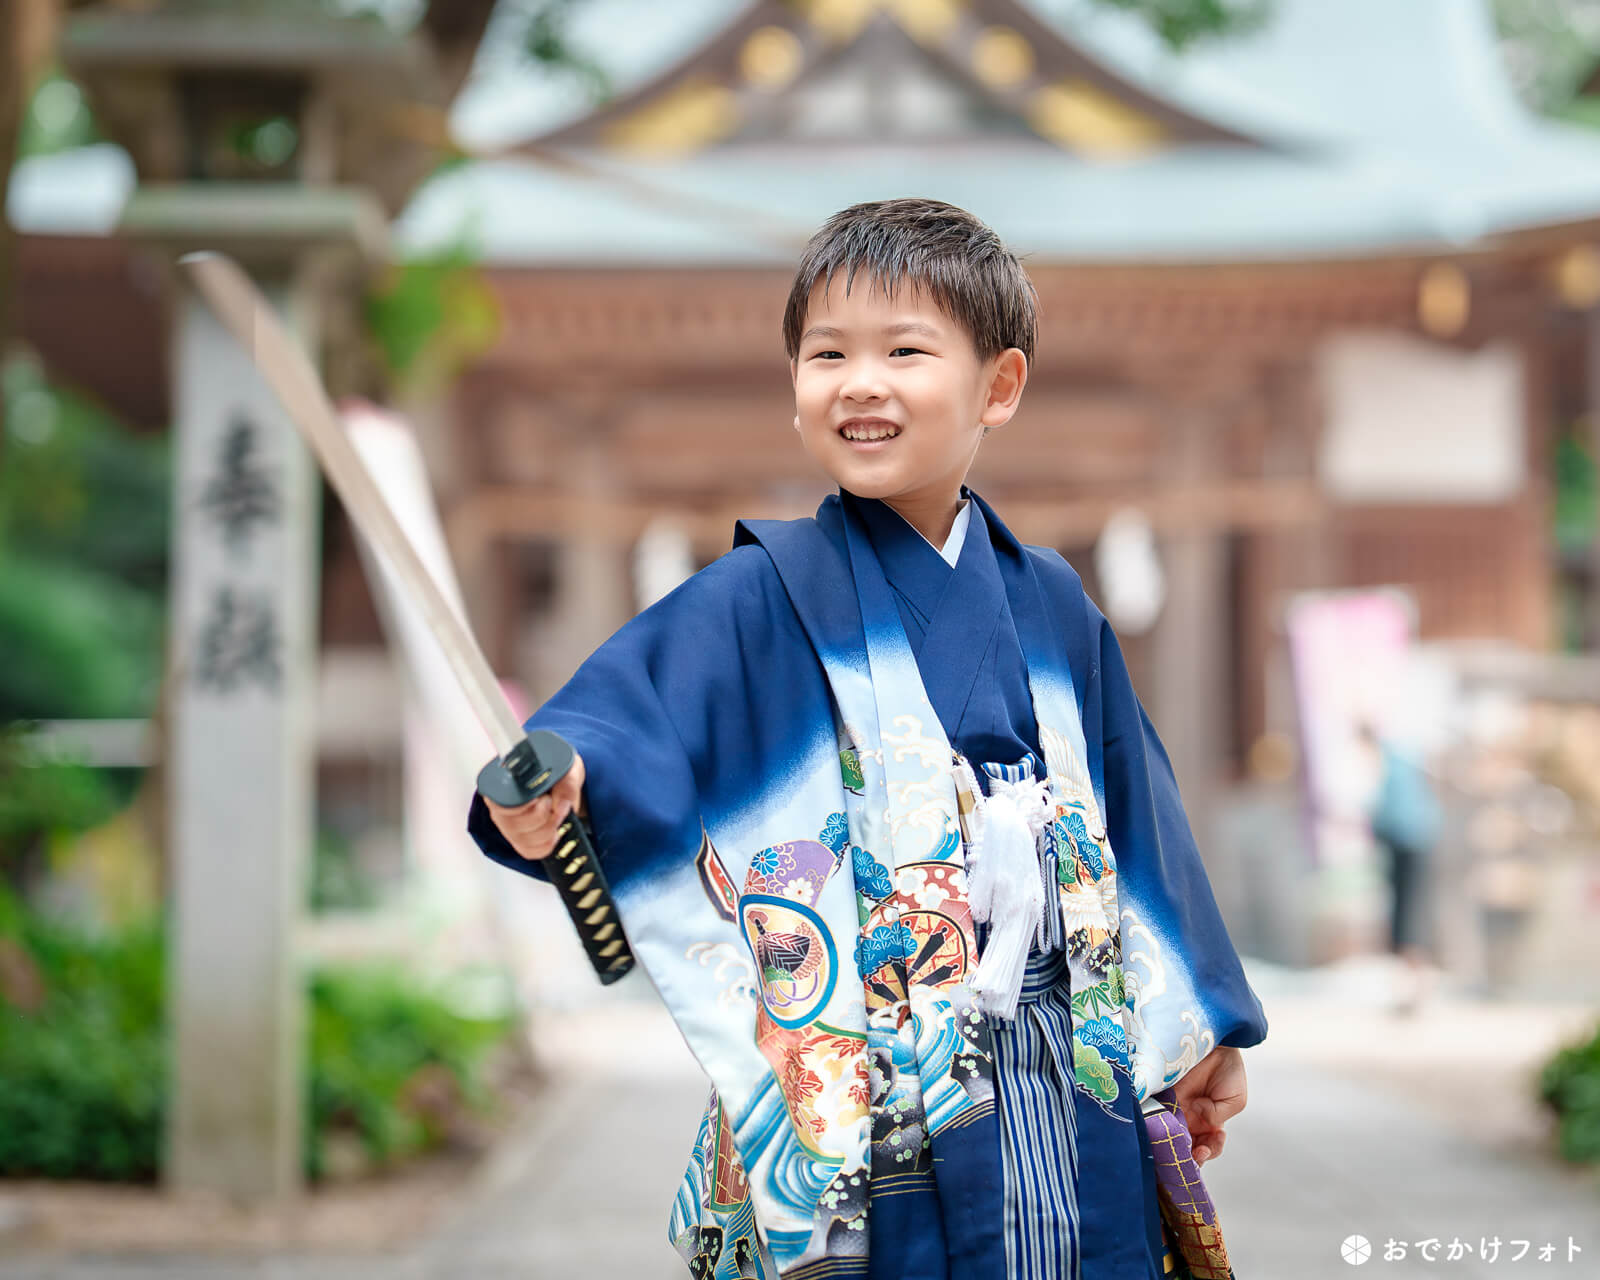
(492, 513)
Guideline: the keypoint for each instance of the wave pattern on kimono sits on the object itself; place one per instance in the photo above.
(775, 800)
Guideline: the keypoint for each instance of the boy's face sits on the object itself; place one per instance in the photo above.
(912, 373)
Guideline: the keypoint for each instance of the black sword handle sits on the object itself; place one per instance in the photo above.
(526, 772)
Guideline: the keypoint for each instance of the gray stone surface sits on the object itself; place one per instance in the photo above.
(1358, 1123)
(240, 769)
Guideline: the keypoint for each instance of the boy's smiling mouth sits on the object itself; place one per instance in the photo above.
(868, 430)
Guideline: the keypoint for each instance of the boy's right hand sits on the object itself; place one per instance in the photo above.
(531, 828)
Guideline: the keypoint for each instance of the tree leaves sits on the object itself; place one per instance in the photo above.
(1180, 23)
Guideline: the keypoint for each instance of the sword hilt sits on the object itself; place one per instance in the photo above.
(526, 772)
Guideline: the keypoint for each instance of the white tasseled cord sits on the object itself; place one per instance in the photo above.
(1004, 887)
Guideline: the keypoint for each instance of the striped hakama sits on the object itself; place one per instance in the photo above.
(1039, 1142)
(1033, 1088)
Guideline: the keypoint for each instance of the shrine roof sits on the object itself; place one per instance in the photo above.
(1309, 137)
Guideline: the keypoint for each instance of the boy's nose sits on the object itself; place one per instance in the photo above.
(864, 387)
(864, 391)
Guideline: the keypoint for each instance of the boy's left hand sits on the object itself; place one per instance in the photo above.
(1211, 1095)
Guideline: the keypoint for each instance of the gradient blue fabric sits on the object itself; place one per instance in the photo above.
(769, 754)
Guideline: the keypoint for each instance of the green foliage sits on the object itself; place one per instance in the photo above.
(1582, 111)
(263, 143)
(57, 119)
(1549, 47)
(83, 546)
(1570, 1084)
(43, 796)
(78, 644)
(1574, 502)
(545, 41)
(338, 882)
(1181, 23)
(379, 1046)
(431, 315)
(77, 486)
(86, 1072)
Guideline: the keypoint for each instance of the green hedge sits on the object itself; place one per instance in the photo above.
(83, 1075)
(390, 1065)
(1570, 1084)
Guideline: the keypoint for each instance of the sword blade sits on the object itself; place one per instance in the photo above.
(288, 371)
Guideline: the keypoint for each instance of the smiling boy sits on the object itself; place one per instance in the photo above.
(880, 806)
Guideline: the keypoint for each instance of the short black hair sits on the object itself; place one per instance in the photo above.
(962, 264)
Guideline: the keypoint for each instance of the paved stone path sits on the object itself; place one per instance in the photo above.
(1358, 1123)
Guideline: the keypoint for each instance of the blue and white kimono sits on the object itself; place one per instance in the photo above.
(781, 760)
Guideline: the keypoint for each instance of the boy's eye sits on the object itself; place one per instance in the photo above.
(824, 355)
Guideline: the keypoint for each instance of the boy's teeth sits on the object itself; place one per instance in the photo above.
(870, 433)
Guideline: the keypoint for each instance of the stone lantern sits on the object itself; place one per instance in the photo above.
(235, 116)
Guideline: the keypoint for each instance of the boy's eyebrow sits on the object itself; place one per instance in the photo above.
(889, 330)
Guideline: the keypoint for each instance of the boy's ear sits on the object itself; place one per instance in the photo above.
(1006, 382)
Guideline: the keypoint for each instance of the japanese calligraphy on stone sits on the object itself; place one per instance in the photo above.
(243, 494)
(239, 643)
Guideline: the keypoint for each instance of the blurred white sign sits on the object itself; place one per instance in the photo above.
(1414, 421)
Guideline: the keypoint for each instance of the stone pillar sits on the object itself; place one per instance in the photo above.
(240, 775)
(234, 116)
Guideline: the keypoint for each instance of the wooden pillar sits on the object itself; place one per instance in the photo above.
(1592, 368)
(1297, 556)
(593, 588)
(1189, 676)
(1190, 699)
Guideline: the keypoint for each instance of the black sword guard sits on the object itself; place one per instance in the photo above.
(526, 772)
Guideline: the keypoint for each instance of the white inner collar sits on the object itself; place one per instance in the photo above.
(951, 551)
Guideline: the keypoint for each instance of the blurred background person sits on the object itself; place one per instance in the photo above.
(1405, 817)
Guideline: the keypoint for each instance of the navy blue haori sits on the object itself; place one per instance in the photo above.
(789, 762)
